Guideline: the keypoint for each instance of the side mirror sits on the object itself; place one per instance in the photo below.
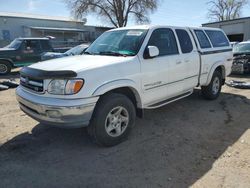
(151, 52)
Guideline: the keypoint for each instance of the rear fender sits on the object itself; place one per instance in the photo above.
(211, 72)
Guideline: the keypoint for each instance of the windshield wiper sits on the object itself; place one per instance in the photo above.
(112, 53)
(88, 53)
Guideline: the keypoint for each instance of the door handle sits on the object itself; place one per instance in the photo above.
(178, 62)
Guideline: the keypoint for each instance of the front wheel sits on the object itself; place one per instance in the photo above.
(212, 91)
(5, 68)
(112, 120)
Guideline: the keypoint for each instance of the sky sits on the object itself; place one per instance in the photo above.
(170, 12)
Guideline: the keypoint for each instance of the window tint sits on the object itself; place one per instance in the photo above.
(217, 38)
(185, 41)
(202, 38)
(165, 40)
(45, 44)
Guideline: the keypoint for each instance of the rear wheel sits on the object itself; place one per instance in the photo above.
(5, 68)
(212, 91)
(112, 120)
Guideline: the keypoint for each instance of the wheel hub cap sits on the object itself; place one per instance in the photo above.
(216, 86)
(117, 121)
(3, 68)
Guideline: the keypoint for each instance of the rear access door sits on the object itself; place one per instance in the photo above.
(189, 56)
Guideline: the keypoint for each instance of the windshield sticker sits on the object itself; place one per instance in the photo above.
(134, 33)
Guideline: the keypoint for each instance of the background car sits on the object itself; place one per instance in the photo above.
(241, 63)
(23, 52)
(77, 50)
(234, 43)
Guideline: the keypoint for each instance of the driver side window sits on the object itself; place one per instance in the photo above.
(164, 39)
(31, 45)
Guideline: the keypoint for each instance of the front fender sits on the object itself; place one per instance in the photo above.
(116, 84)
(8, 60)
(214, 67)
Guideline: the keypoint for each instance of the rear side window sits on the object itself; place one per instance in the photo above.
(217, 38)
(45, 44)
(202, 38)
(165, 40)
(185, 41)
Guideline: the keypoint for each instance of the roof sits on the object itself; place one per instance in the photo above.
(36, 16)
(57, 29)
(161, 26)
(238, 19)
(134, 27)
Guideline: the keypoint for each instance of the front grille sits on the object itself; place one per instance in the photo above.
(32, 84)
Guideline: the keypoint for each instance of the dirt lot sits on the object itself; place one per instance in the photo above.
(192, 142)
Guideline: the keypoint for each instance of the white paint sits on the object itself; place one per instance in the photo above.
(152, 80)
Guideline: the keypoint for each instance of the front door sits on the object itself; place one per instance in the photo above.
(31, 52)
(163, 75)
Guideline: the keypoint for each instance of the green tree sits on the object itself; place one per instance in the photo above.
(116, 12)
(221, 10)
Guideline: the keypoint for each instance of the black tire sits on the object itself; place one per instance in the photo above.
(209, 92)
(99, 122)
(5, 68)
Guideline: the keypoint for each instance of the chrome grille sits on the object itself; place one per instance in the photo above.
(32, 84)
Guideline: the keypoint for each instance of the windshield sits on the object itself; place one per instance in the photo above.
(76, 50)
(14, 44)
(118, 43)
(242, 48)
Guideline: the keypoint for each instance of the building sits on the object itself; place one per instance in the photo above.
(236, 30)
(66, 32)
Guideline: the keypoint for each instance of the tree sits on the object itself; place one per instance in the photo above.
(116, 12)
(221, 10)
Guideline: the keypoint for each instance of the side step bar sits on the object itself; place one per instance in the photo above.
(170, 100)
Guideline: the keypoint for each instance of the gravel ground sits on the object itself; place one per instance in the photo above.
(189, 143)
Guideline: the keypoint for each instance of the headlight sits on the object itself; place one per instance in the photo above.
(241, 61)
(65, 87)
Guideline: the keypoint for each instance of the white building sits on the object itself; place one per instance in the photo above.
(236, 30)
(67, 32)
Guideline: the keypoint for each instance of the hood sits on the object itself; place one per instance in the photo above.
(6, 52)
(7, 49)
(51, 55)
(241, 56)
(79, 63)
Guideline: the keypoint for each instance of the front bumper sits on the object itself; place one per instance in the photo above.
(68, 113)
(240, 68)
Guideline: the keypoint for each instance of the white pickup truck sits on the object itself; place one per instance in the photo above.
(123, 72)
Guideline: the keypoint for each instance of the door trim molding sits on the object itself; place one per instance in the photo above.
(170, 83)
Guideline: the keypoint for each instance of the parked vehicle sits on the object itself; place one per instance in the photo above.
(123, 72)
(234, 44)
(23, 52)
(241, 63)
(77, 50)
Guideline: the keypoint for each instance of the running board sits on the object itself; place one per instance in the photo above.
(165, 102)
